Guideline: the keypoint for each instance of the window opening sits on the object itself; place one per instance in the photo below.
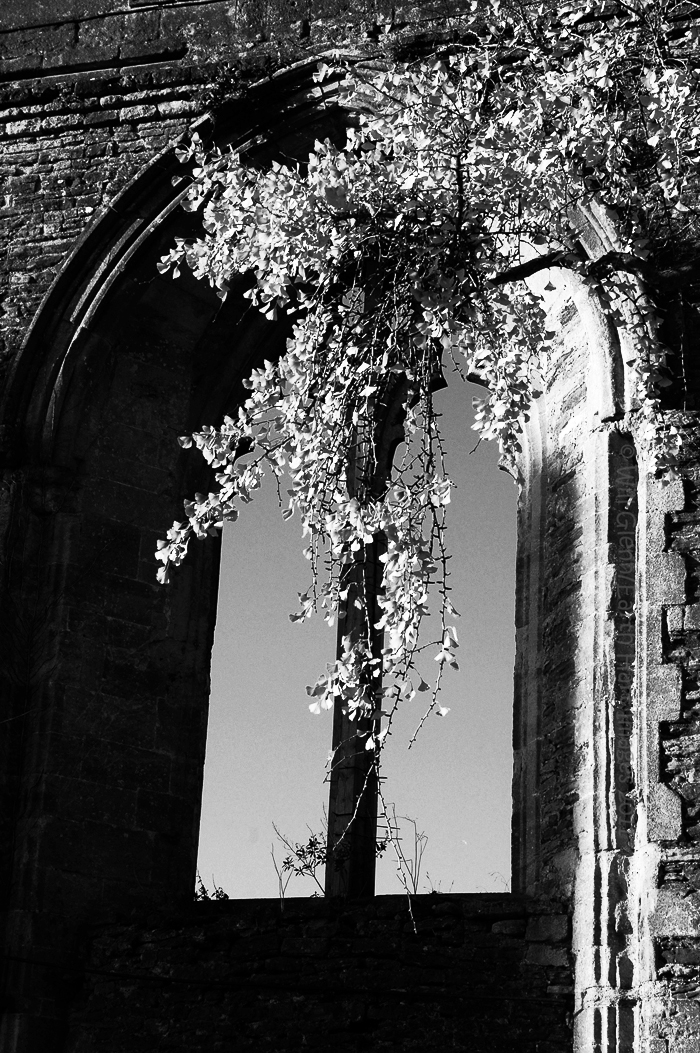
(455, 781)
(266, 753)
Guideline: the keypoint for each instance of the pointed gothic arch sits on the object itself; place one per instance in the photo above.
(109, 700)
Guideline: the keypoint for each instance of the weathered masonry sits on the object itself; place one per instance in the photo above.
(104, 675)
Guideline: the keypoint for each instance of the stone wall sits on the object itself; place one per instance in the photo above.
(104, 676)
(480, 973)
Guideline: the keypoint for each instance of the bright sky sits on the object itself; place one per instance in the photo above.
(266, 753)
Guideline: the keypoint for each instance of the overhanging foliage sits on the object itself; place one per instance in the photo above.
(409, 249)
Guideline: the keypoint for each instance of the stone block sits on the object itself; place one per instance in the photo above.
(129, 504)
(98, 41)
(127, 676)
(664, 497)
(560, 990)
(151, 479)
(82, 801)
(663, 695)
(163, 813)
(674, 620)
(109, 547)
(120, 764)
(666, 578)
(548, 928)
(134, 601)
(544, 954)
(664, 813)
(97, 849)
(177, 107)
(310, 947)
(101, 118)
(516, 927)
(675, 914)
(142, 36)
(137, 113)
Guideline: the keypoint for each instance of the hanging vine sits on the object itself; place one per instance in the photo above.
(410, 248)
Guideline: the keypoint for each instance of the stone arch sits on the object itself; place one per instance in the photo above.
(89, 415)
(279, 117)
(108, 299)
(109, 699)
(579, 651)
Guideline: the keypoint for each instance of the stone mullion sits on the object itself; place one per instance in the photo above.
(354, 785)
(352, 808)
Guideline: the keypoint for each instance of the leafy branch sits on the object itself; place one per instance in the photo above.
(410, 249)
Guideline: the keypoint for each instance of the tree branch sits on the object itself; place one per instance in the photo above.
(524, 270)
(671, 277)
